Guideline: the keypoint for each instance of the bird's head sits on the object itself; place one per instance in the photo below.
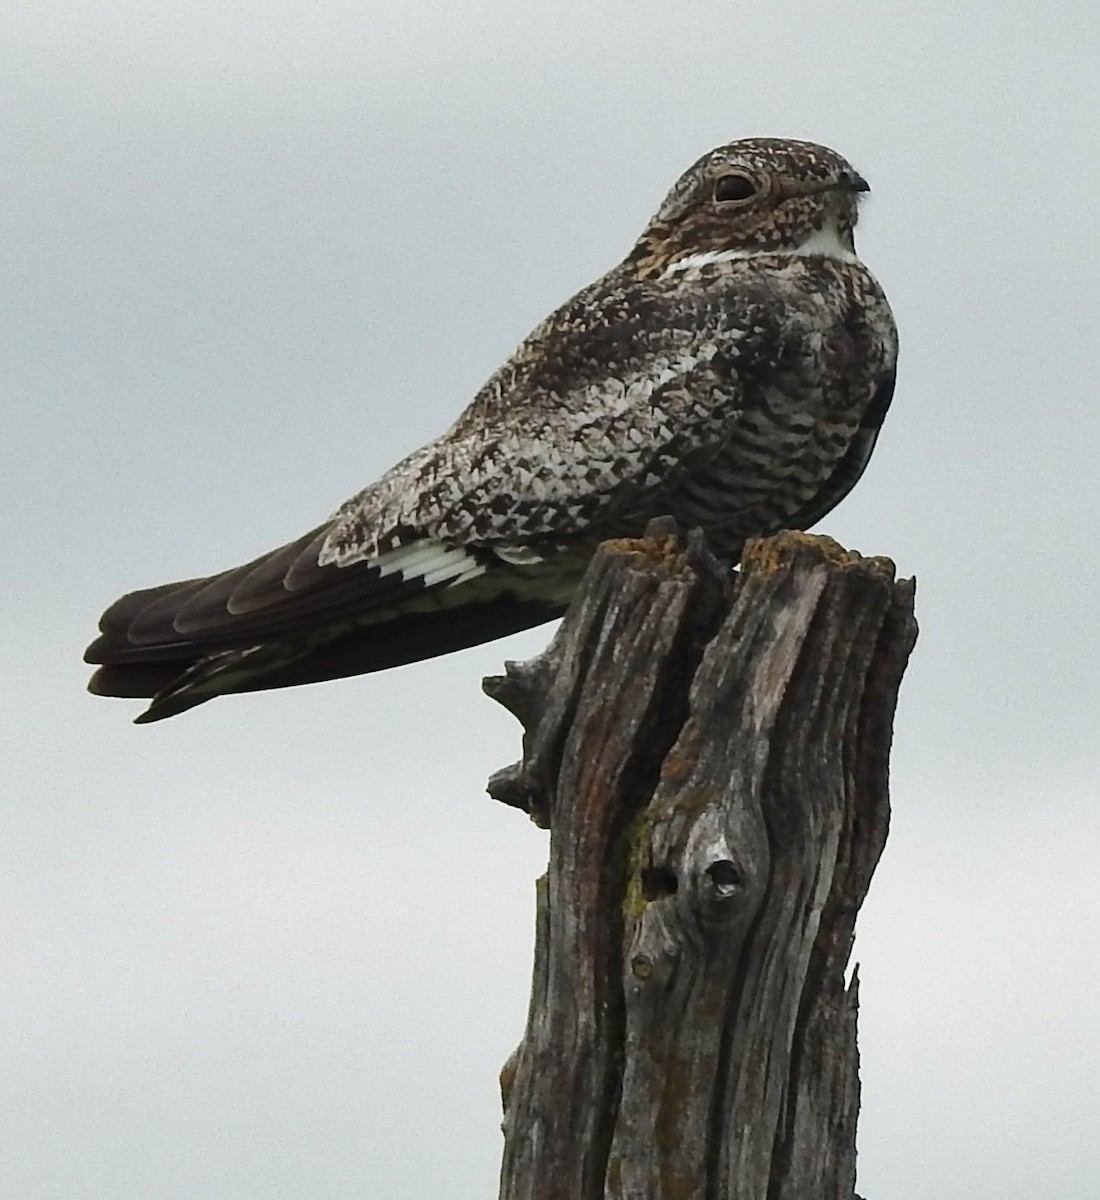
(754, 196)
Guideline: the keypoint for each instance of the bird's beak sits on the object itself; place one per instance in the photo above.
(849, 181)
(846, 181)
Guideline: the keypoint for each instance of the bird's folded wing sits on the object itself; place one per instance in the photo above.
(466, 505)
(275, 595)
(557, 467)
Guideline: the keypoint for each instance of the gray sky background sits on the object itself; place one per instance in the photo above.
(278, 947)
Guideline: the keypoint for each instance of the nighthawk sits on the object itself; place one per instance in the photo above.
(732, 372)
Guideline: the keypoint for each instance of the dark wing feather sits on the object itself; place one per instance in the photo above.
(408, 638)
(241, 606)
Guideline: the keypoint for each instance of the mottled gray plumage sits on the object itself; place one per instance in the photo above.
(732, 372)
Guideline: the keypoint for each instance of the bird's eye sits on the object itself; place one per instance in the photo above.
(734, 187)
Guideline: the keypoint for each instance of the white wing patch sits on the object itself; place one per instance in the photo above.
(429, 561)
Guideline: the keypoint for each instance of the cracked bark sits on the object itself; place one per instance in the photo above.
(710, 754)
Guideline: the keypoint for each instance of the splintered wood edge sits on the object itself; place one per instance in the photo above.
(769, 554)
(666, 553)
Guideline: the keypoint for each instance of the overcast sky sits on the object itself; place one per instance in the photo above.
(279, 947)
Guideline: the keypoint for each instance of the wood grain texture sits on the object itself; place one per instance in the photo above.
(710, 753)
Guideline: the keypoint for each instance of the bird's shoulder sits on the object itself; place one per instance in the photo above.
(629, 372)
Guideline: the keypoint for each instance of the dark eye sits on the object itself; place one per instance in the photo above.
(734, 187)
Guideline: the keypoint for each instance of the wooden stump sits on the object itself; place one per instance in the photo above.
(710, 753)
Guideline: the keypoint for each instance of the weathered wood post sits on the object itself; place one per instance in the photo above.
(710, 753)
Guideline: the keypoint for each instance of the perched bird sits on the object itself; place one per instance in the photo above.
(732, 372)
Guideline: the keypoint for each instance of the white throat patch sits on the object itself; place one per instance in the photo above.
(826, 242)
(822, 243)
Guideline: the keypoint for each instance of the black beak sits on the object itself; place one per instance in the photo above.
(845, 181)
